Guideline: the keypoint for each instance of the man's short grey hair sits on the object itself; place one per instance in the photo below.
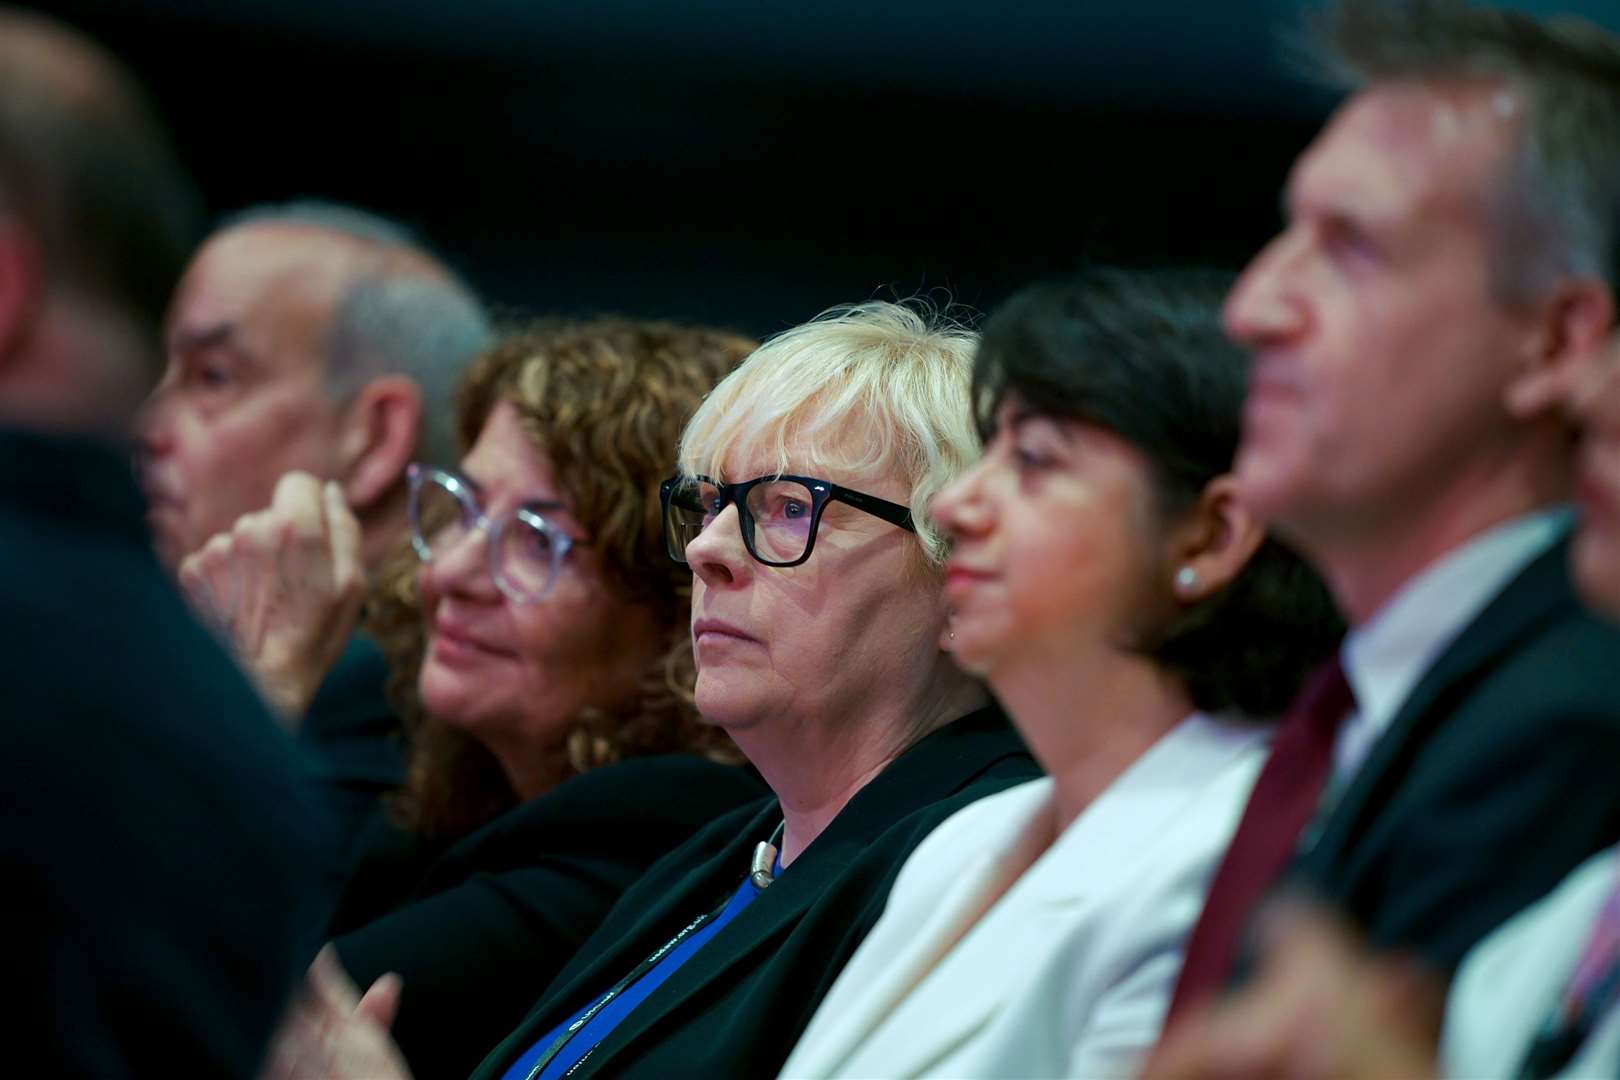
(393, 321)
(422, 327)
(350, 221)
(1556, 207)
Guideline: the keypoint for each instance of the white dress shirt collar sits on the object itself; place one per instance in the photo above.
(1386, 656)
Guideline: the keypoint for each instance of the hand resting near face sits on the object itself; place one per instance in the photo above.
(284, 586)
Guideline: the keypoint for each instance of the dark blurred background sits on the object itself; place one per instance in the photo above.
(746, 162)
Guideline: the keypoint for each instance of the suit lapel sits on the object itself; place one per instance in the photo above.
(1044, 887)
(682, 894)
(1539, 593)
(909, 987)
(943, 1018)
(933, 769)
(748, 939)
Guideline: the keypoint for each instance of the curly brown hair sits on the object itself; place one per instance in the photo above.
(605, 401)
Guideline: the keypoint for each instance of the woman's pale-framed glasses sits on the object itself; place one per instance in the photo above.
(525, 551)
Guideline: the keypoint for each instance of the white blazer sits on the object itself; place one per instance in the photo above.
(1510, 982)
(1071, 971)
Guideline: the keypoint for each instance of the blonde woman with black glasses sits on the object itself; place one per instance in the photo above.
(820, 633)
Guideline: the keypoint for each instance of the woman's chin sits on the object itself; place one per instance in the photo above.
(976, 650)
(726, 705)
(445, 696)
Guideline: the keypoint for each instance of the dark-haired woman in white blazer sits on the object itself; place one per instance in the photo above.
(1132, 618)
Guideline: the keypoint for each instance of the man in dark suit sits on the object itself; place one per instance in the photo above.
(320, 338)
(1447, 264)
(166, 862)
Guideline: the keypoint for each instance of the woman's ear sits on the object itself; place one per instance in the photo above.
(1214, 542)
(379, 438)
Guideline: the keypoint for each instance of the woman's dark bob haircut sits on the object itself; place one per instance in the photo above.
(1141, 354)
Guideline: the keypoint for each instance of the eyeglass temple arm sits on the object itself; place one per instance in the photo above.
(892, 512)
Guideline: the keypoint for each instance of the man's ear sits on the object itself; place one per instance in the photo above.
(1213, 543)
(379, 438)
(19, 285)
(1573, 327)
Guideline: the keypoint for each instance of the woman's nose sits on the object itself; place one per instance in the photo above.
(718, 555)
(460, 563)
(960, 508)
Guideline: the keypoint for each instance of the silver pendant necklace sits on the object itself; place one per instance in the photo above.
(761, 868)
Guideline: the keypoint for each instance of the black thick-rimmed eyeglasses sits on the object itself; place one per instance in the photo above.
(778, 515)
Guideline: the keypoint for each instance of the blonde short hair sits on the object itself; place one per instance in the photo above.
(866, 388)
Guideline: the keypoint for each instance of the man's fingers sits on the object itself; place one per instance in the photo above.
(297, 503)
(194, 583)
(381, 1002)
(343, 530)
(209, 558)
(295, 1050)
(254, 572)
(331, 984)
(254, 536)
(202, 578)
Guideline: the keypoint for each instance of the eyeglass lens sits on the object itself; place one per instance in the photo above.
(781, 511)
(526, 553)
(776, 525)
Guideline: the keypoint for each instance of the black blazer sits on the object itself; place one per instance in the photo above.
(500, 911)
(1493, 781)
(737, 1007)
(354, 735)
(167, 861)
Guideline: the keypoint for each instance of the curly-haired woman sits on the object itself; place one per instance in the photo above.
(536, 631)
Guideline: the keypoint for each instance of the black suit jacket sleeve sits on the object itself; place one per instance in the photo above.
(354, 736)
(1492, 783)
(500, 913)
(167, 863)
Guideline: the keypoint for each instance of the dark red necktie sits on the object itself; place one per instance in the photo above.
(1283, 801)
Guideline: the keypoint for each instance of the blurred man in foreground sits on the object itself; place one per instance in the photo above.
(1448, 265)
(166, 864)
(1535, 998)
